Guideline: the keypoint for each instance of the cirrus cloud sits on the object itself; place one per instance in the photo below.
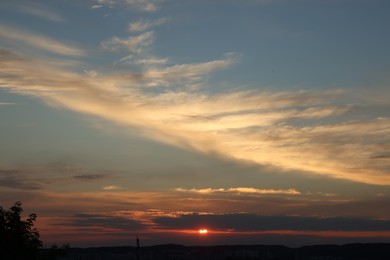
(40, 42)
(251, 126)
(149, 6)
(142, 25)
(300, 130)
(135, 44)
(41, 11)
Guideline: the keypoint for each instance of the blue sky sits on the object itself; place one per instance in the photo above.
(133, 111)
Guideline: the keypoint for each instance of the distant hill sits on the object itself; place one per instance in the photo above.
(379, 251)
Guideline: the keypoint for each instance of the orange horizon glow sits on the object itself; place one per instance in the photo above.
(96, 234)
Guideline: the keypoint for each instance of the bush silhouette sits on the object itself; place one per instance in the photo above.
(19, 239)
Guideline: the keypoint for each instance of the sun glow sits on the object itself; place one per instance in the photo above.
(203, 231)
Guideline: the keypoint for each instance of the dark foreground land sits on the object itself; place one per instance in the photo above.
(380, 251)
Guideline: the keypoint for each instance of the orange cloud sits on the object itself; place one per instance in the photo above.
(241, 190)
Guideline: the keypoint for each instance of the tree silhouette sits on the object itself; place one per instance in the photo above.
(19, 239)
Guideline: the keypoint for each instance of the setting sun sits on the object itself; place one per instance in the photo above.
(203, 231)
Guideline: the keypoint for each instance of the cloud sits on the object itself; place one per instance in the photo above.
(251, 222)
(14, 180)
(152, 62)
(212, 123)
(157, 73)
(145, 206)
(43, 176)
(60, 168)
(149, 6)
(7, 55)
(241, 190)
(135, 44)
(39, 41)
(91, 177)
(381, 156)
(112, 187)
(103, 221)
(106, 2)
(184, 73)
(6, 104)
(39, 10)
(144, 5)
(126, 59)
(142, 25)
(91, 73)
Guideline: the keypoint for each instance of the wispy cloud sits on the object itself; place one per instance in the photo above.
(112, 187)
(152, 61)
(300, 131)
(185, 73)
(39, 41)
(13, 179)
(107, 2)
(135, 44)
(90, 177)
(241, 190)
(149, 6)
(40, 177)
(103, 221)
(7, 104)
(144, 5)
(251, 126)
(96, 6)
(38, 10)
(145, 25)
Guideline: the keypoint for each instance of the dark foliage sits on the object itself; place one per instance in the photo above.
(19, 239)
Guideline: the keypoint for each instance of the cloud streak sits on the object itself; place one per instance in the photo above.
(112, 187)
(40, 177)
(40, 42)
(135, 44)
(145, 25)
(149, 6)
(12, 179)
(239, 190)
(6, 104)
(90, 177)
(40, 11)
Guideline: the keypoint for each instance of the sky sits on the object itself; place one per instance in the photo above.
(263, 121)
